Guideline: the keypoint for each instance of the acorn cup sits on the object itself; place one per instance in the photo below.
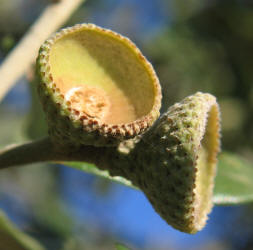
(174, 163)
(96, 87)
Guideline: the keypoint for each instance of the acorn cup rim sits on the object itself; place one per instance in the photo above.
(211, 158)
(88, 123)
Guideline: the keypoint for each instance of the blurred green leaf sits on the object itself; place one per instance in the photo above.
(52, 217)
(10, 131)
(11, 238)
(35, 126)
(234, 181)
(120, 246)
(7, 43)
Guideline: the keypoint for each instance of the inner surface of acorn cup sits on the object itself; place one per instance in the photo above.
(206, 164)
(101, 81)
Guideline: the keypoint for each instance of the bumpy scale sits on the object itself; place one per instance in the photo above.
(174, 163)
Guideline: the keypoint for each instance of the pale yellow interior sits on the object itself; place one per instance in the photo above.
(102, 64)
(206, 166)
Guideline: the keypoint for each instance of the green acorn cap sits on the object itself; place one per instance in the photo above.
(96, 87)
(174, 163)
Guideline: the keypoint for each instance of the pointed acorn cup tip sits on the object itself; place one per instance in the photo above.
(96, 87)
(174, 163)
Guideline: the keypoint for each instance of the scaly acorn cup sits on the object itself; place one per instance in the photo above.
(174, 163)
(96, 87)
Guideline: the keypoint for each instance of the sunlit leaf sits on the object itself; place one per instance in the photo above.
(120, 246)
(91, 169)
(11, 238)
(234, 181)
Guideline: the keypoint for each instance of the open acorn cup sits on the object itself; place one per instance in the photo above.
(174, 163)
(96, 87)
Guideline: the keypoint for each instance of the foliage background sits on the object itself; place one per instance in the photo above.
(195, 46)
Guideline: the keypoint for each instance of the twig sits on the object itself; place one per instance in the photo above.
(24, 54)
(43, 150)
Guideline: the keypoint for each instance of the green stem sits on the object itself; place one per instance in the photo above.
(43, 151)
